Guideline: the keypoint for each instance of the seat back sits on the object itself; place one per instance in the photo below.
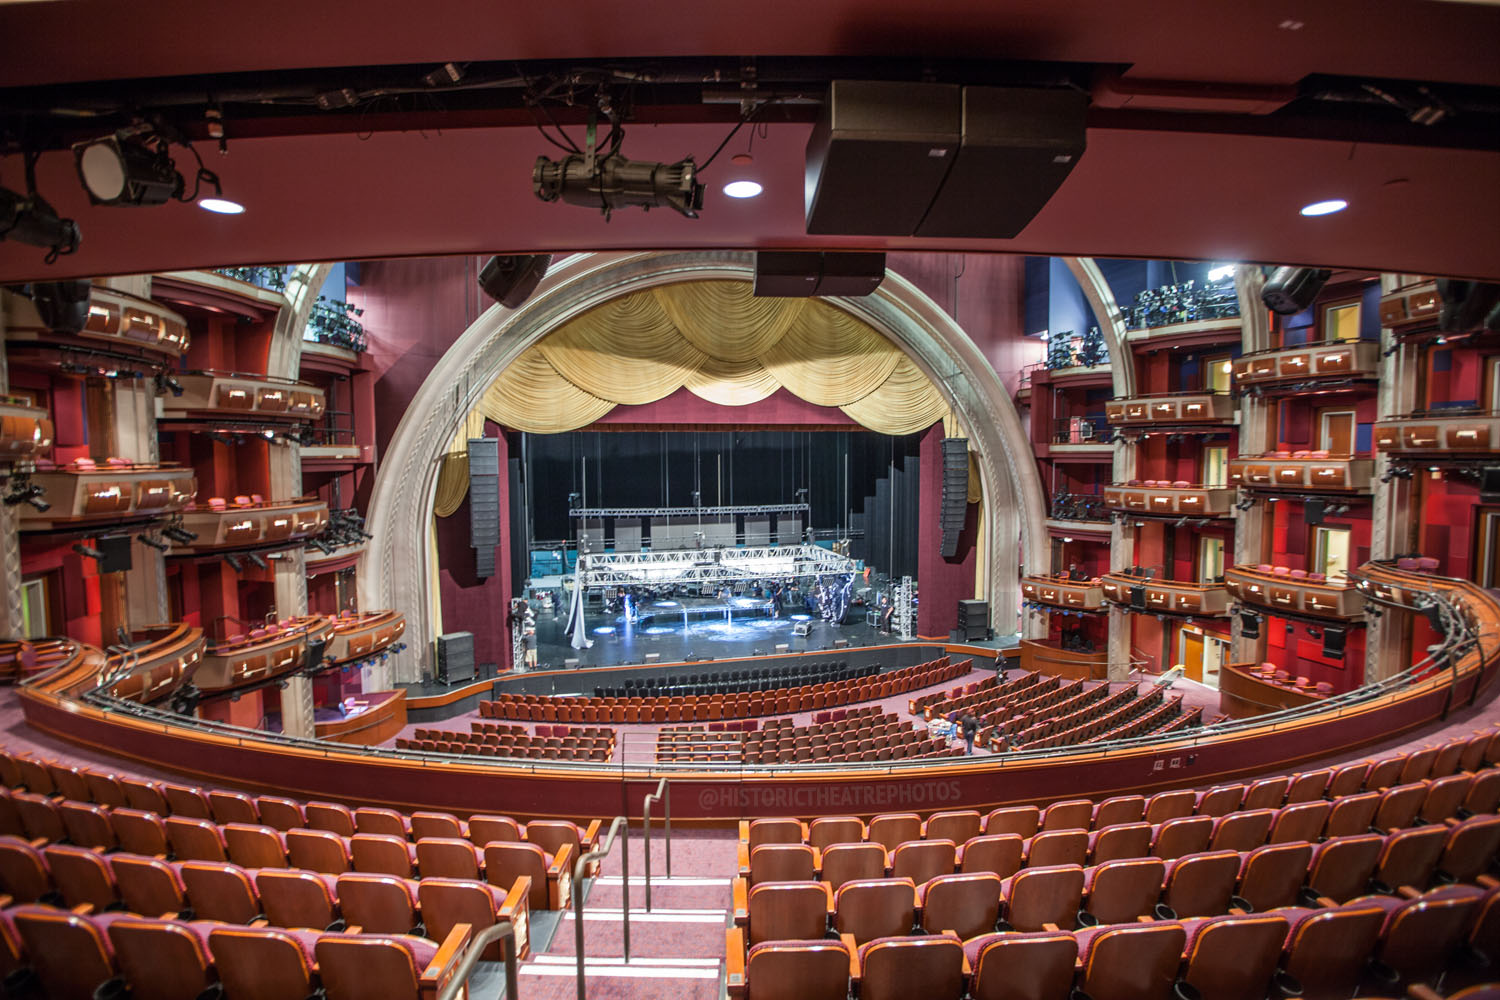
(1234, 957)
(826, 830)
(1133, 962)
(447, 857)
(505, 862)
(1120, 891)
(1022, 966)
(1242, 831)
(436, 824)
(803, 970)
(160, 958)
(263, 963)
(317, 850)
(368, 819)
(330, 816)
(232, 807)
(1470, 849)
(1186, 835)
(380, 904)
(254, 846)
(381, 855)
(968, 904)
(1327, 950)
(70, 956)
(23, 871)
(1057, 847)
(39, 817)
(787, 911)
(551, 835)
(762, 831)
(356, 967)
(1421, 936)
(1170, 805)
(1021, 820)
(849, 862)
(1384, 773)
(1123, 840)
(1352, 814)
(145, 795)
(1200, 885)
(1221, 800)
(1119, 809)
(893, 829)
(1271, 875)
(1399, 807)
(187, 800)
(1341, 869)
(447, 902)
(955, 825)
(901, 967)
(295, 899)
(875, 908)
(1410, 857)
(1301, 821)
(194, 839)
(1038, 896)
(1070, 814)
(220, 891)
(147, 886)
(82, 876)
(280, 814)
(488, 829)
(87, 825)
(920, 860)
(1267, 793)
(1484, 791)
(1443, 798)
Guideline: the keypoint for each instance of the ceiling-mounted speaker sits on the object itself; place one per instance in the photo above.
(510, 279)
(800, 273)
(1290, 290)
(896, 158)
(62, 305)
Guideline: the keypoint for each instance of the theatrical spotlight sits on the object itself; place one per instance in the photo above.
(258, 560)
(180, 534)
(615, 182)
(88, 551)
(29, 219)
(22, 490)
(234, 562)
(128, 168)
(1290, 290)
(165, 383)
(154, 542)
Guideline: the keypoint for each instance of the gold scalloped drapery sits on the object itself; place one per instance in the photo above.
(830, 358)
(531, 395)
(626, 351)
(724, 320)
(906, 399)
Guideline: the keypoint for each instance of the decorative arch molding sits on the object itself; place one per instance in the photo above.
(395, 570)
(1101, 300)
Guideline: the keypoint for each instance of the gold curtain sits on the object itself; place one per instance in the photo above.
(724, 320)
(732, 383)
(453, 467)
(830, 358)
(905, 403)
(530, 395)
(626, 351)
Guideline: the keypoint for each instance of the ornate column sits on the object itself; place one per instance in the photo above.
(10, 538)
(1255, 335)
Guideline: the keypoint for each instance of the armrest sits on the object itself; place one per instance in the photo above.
(745, 831)
(440, 970)
(828, 894)
(1487, 881)
(853, 949)
(517, 910)
(741, 889)
(1407, 892)
(817, 862)
(734, 962)
(590, 839)
(560, 878)
(742, 857)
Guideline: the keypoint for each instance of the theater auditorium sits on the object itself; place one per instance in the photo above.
(986, 502)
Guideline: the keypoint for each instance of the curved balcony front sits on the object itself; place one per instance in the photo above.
(1303, 472)
(248, 523)
(1179, 498)
(263, 655)
(25, 430)
(1437, 434)
(1327, 361)
(1279, 591)
(85, 494)
(1412, 308)
(235, 396)
(1160, 596)
(160, 660)
(359, 636)
(1060, 592)
(117, 322)
(1171, 409)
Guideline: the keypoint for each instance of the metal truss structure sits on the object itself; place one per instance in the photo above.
(594, 513)
(712, 565)
(906, 623)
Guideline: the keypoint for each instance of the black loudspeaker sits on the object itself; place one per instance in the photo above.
(1292, 289)
(974, 619)
(62, 305)
(510, 280)
(896, 158)
(455, 657)
(955, 492)
(484, 503)
(798, 273)
(1333, 643)
(1250, 626)
(116, 552)
(1467, 305)
(1138, 597)
(1489, 481)
(312, 657)
(1312, 511)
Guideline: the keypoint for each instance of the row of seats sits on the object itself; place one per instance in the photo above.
(939, 704)
(1318, 953)
(1270, 673)
(580, 747)
(19, 660)
(703, 708)
(1199, 883)
(1140, 715)
(1066, 699)
(737, 681)
(1301, 575)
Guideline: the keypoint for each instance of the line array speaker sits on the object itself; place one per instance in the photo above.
(484, 503)
(1250, 626)
(955, 492)
(800, 273)
(1333, 642)
(455, 657)
(116, 552)
(974, 619)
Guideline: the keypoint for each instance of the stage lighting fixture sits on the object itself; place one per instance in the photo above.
(1290, 290)
(216, 202)
(615, 182)
(180, 534)
(165, 383)
(234, 562)
(87, 551)
(22, 491)
(510, 279)
(29, 219)
(126, 169)
(258, 560)
(154, 542)
(1328, 207)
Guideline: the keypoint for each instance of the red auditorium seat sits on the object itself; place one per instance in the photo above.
(1124, 840)
(387, 822)
(139, 832)
(803, 970)
(162, 958)
(998, 853)
(1398, 807)
(1220, 800)
(187, 800)
(68, 781)
(895, 968)
(330, 816)
(296, 899)
(220, 892)
(1121, 891)
(449, 902)
(317, 850)
(280, 814)
(87, 825)
(552, 835)
(875, 908)
(1420, 937)
(1057, 847)
(1383, 773)
(1484, 793)
(148, 886)
(1013, 966)
(34, 776)
(263, 962)
(1185, 835)
(1308, 786)
(232, 807)
(448, 857)
(967, 904)
(381, 855)
(254, 845)
(1035, 897)
(82, 876)
(39, 817)
(1119, 809)
(105, 789)
(1170, 805)
(488, 829)
(1131, 962)
(70, 956)
(1234, 957)
(920, 860)
(380, 904)
(435, 824)
(1200, 885)
(826, 830)
(1022, 820)
(1347, 780)
(23, 871)
(357, 967)
(893, 829)
(1327, 950)
(1443, 798)
(1302, 821)
(1241, 831)
(195, 839)
(1270, 876)
(145, 795)
(781, 863)
(854, 861)
(1410, 857)
(784, 911)
(1267, 793)
(1471, 849)
(1072, 814)
(505, 862)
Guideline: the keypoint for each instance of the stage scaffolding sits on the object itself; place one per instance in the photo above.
(717, 565)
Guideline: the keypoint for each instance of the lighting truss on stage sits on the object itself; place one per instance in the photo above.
(602, 512)
(712, 565)
(905, 623)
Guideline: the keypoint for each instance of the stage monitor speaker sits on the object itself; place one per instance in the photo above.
(955, 505)
(801, 273)
(510, 279)
(1250, 626)
(1138, 597)
(1312, 511)
(484, 503)
(1290, 290)
(974, 619)
(455, 657)
(1333, 642)
(116, 552)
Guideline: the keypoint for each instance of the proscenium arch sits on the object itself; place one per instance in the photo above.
(396, 571)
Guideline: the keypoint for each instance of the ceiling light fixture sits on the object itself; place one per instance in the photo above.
(127, 169)
(1328, 207)
(216, 202)
(742, 189)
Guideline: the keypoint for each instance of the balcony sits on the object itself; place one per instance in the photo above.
(1200, 332)
(25, 430)
(1059, 592)
(358, 636)
(263, 655)
(1303, 472)
(83, 493)
(251, 523)
(1160, 596)
(161, 660)
(1180, 498)
(1440, 433)
(1170, 408)
(239, 397)
(115, 319)
(1082, 435)
(220, 292)
(1412, 308)
(1280, 590)
(1330, 361)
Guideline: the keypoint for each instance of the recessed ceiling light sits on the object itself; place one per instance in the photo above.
(223, 206)
(742, 189)
(1325, 207)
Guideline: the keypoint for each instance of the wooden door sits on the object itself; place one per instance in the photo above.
(1190, 654)
(1336, 434)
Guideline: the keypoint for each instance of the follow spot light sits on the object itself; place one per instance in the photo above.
(615, 182)
(127, 170)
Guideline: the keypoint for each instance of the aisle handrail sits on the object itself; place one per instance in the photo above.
(663, 794)
(617, 825)
(458, 980)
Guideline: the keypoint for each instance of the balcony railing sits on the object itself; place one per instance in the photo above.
(358, 636)
(1079, 507)
(1060, 592)
(158, 662)
(263, 655)
(1440, 433)
(25, 430)
(1279, 591)
(1303, 472)
(1081, 431)
(1324, 361)
(222, 525)
(114, 318)
(245, 397)
(1170, 408)
(1179, 498)
(1157, 596)
(1412, 308)
(86, 493)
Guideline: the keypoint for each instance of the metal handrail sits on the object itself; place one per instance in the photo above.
(663, 794)
(579, 868)
(459, 980)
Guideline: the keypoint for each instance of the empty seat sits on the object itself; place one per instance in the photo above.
(1200, 885)
(1123, 840)
(1421, 937)
(920, 860)
(875, 908)
(139, 832)
(1021, 820)
(1241, 831)
(355, 967)
(1000, 853)
(436, 824)
(232, 807)
(1443, 798)
(1301, 821)
(1410, 857)
(448, 857)
(262, 962)
(389, 822)
(1341, 868)
(1327, 950)
(69, 956)
(382, 855)
(39, 817)
(1170, 805)
(485, 829)
(1035, 897)
(187, 800)
(280, 814)
(82, 877)
(892, 829)
(786, 911)
(317, 850)
(255, 845)
(801, 970)
(1399, 806)
(967, 904)
(827, 830)
(1070, 814)
(1121, 891)
(1471, 848)
(1119, 809)
(1234, 957)
(1130, 962)
(955, 825)
(195, 839)
(380, 904)
(162, 958)
(1186, 835)
(1014, 966)
(1270, 876)
(1221, 800)
(782, 863)
(87, 825)
(148, 886)
(297, 899)
(1057, 847)
(895, 968)
(448, 902)
(220, 892)
(330, 816)
(849, 862)
(768, 831)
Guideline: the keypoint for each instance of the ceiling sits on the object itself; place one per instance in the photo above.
(1223, 186)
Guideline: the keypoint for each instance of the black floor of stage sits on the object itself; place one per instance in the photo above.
(707, 634)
